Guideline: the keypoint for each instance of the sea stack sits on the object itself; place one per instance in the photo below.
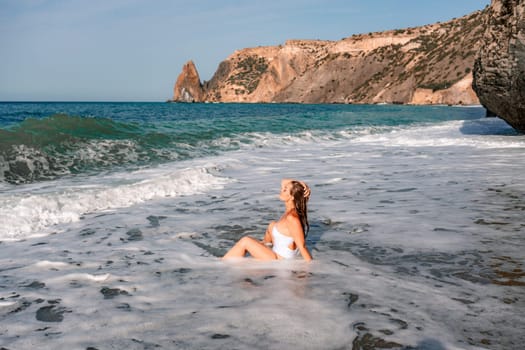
(499, 69)
(188, 87)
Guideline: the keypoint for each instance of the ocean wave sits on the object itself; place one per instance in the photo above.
(30, 213)
(254, 140)
(61, 145)
(44, 149)
(480, 133)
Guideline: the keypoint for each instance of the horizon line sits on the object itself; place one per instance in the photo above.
(83, 101)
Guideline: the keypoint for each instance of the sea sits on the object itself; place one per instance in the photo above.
(114, 217)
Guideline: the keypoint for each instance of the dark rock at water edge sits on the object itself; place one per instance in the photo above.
(110, 293)
(134, 235)
(50, 313)
(155, 220)
(35, 285)
(499, 69)
(220, 336)
(368, 341)
(351, 298)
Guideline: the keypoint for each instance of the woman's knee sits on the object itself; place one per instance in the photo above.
(246, 240)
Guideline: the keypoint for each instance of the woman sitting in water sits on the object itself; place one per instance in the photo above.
(286, 236)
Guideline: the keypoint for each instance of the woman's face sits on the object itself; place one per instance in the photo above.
(285, 190)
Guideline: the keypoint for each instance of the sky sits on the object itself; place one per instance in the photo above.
(134, 50)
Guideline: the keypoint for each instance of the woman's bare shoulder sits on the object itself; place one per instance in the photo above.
(292, 217)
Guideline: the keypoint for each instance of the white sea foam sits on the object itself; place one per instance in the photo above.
(80, 277)
(407, 237)
(32, 212)
(482, 133)
(485, 133)
(50, 264)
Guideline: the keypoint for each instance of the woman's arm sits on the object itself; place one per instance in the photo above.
(268, 240)
(297, 233)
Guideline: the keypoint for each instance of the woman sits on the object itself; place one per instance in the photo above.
(286, 236)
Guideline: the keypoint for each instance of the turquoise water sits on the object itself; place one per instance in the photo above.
(113, 217)
(42, 141)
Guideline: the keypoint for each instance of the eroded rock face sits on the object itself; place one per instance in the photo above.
(499, 70)
(188, 87)
(431, 64)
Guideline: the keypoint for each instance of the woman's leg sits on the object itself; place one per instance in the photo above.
(250, 245)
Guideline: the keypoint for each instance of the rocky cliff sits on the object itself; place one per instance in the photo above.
(424, 65)
(188, 87)
(499, 71)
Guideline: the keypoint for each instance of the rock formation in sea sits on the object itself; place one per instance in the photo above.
(430, 64)
(499, 70)
(188, 87)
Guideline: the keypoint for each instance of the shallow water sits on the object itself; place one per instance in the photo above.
(416, 234)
